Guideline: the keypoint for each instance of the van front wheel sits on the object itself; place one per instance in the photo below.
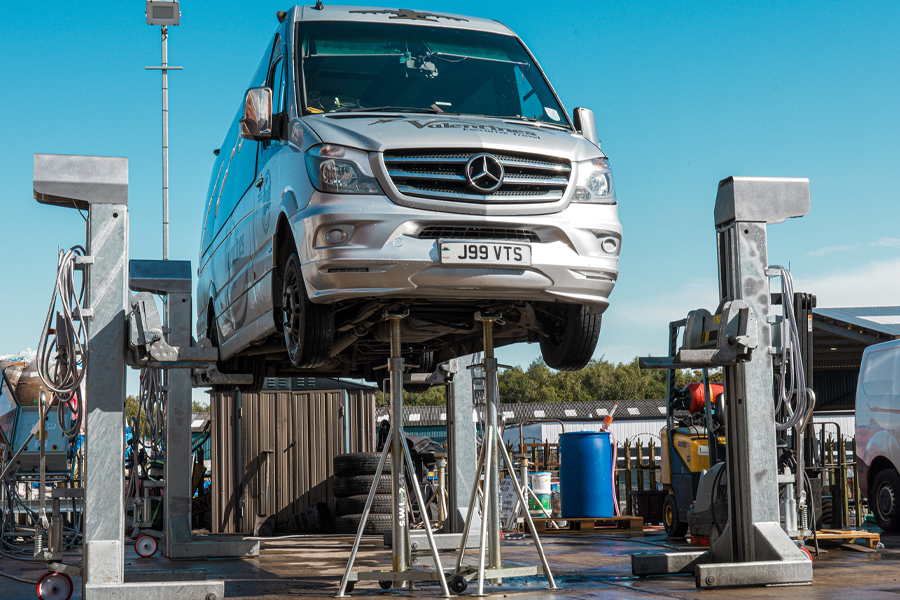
(308, 327)
(573, 336)
(884, 499)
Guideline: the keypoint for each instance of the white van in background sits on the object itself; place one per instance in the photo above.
(878, 430)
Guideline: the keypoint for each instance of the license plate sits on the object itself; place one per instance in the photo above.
(485, 253)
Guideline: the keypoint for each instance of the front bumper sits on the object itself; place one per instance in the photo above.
(385, 257)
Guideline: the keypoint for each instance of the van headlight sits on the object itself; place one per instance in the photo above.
(340, 170)
(595, 183)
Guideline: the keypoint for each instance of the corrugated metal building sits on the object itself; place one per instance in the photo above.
(282, 462)
(840, 335)
(634, 420)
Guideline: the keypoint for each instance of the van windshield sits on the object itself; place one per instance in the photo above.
(379, 66)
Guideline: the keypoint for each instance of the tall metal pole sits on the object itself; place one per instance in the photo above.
(165, 139)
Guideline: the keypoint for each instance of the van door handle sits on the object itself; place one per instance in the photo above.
(260, 182)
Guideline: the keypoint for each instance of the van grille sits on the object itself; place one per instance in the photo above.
(440, 175)
(461, 232)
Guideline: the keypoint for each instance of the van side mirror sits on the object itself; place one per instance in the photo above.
(585, 124)
(257, 121)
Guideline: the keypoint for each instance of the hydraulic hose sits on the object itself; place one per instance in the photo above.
(792, 392)
(70, 340)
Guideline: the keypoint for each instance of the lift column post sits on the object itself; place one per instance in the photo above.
(752, 548)
(744, 206)
(99, 185)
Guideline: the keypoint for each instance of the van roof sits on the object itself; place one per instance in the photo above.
(397, 15)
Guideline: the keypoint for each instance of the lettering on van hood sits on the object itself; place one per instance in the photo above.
(465, 126)
(383, 132)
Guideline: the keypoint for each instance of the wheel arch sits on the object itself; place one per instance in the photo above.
(283, 245)
(879, 463)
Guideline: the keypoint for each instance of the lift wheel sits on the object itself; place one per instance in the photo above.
(145, 545)
(54, 586)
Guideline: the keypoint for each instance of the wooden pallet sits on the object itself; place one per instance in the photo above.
(624, 524)
(847, 535)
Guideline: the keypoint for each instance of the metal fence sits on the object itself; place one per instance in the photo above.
(284, 460)
(638, 471)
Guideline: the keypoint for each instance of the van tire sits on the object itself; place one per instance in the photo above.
(573, 339)
(308, 327)
(885, 500)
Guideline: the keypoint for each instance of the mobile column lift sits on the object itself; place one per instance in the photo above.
(752, 548)
(488, 464)
(125, 330)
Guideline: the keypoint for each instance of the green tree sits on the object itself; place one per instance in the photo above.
(599, 380)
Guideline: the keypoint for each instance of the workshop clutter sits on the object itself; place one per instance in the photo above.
(21, 370)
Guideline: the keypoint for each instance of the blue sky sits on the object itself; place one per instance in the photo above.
(685, 94)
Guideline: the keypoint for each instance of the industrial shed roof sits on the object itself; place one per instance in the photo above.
(841, 334)
(427, 416)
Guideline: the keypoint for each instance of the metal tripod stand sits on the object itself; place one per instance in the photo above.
(492, 449)
(395, 445)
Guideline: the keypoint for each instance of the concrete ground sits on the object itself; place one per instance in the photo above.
(593, 566)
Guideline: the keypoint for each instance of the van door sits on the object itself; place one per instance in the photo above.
(270, 183)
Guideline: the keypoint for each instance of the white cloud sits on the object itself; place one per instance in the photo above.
(885, 242)
(873, 284)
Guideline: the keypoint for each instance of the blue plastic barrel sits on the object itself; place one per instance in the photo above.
(585, 475)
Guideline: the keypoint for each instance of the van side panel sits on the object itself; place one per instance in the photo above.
(233, 242)
(878, 411)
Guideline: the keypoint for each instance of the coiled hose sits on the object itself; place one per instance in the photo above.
(67, 375)
(792, 393)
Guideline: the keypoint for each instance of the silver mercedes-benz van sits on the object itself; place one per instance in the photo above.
(392, 160)
(878, 432)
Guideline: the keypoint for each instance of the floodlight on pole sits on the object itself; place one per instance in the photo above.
(164, 13)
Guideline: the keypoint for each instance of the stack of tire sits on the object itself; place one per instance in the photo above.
(354, 474)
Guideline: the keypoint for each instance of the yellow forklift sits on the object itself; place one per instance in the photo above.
(692, 442)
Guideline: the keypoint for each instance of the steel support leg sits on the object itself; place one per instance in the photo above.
(489, 463)
(365, 515)
(400, 459)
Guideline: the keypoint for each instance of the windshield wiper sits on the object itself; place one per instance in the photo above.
(398, 109)
(538, 122)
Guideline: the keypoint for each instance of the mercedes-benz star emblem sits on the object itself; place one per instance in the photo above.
(484, 172)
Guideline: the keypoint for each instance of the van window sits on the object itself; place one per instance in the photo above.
(354, 66)
(239, 158)
(276, 82)
(211, 198)
(881, 375)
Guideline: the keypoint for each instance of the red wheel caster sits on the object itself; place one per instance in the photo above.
(806, 552)
(54, 586)
(145, 546)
